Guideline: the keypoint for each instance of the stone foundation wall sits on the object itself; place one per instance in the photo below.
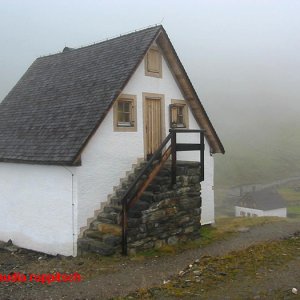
(166, 215)
(163, 215)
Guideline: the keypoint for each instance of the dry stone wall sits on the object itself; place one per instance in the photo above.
(164, 215)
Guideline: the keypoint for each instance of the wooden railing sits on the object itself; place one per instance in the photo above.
(153, 166)
(186, 147)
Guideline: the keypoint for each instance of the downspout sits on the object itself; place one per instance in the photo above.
(73, 207)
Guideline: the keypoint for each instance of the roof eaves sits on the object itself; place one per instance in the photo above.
(41, 162)
(220, 147)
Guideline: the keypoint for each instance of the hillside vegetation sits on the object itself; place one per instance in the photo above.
(259, 155)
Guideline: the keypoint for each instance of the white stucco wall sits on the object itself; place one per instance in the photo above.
(44, 207)
(36, 207)
(251, 212)
(110, 154)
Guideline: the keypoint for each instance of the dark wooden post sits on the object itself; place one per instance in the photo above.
(173, 146)
(124, 227)
(202, 154)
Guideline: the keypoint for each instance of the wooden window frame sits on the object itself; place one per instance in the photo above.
(185, 113)
(148, 71)
(133, 121)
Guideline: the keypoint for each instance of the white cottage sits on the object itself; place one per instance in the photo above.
(77, 121)
(264, 203)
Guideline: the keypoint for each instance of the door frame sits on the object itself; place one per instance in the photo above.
(161, 97)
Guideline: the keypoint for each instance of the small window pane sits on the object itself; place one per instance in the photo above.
(126, 106)
(125, 113)
(178, 115)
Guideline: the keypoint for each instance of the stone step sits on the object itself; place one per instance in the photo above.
(147, 196)
(110, 229)
(115, 201)
(106, 238)
(112, 208)
(93, 234)
(95, 246)
(111, 217)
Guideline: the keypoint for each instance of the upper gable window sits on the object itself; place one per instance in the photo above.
(153, 62)
(125, 113)
(179, 114)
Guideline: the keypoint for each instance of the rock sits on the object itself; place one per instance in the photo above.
(171, 211)
(189, 229)
(109, 209)
(11, 248)
(137, 244)
(148, 245)
(133, 222)
(112, 240)
(112, 216)
(156, 216)
(183, 220)
(110, 229)
(2, 245)
(159, 243)
(197, 273)
(94, 234)
(173, 240)
(143, 228)
(101, 248)
(243, 229)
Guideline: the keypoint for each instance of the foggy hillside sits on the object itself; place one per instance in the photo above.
(259, 152)
(250, 89)
(241, 56)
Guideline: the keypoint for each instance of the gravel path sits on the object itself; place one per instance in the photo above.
(134, 275)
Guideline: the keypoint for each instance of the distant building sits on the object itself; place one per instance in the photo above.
(264, 203)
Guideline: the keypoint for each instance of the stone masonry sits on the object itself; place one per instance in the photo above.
(164, 215)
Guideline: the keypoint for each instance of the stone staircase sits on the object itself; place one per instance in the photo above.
(163, 214)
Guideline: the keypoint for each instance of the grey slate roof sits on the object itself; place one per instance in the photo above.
(266, 199)
(54, 109)
(62, 98)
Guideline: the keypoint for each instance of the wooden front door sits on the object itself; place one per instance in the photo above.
(152, 124)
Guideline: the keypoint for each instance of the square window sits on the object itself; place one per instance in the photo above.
(178, 114)
(125, 113)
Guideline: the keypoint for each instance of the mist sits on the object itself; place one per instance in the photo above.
(241, 56)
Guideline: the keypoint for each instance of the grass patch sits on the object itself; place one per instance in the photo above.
(212, 274)
(232, 224)
(293, 212)
(289, 195)
(222, 229)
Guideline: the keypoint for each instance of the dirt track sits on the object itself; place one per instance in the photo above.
(128, 276)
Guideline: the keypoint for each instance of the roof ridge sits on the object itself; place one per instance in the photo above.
(104, 40)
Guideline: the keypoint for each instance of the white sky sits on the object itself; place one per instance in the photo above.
(243, 56)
